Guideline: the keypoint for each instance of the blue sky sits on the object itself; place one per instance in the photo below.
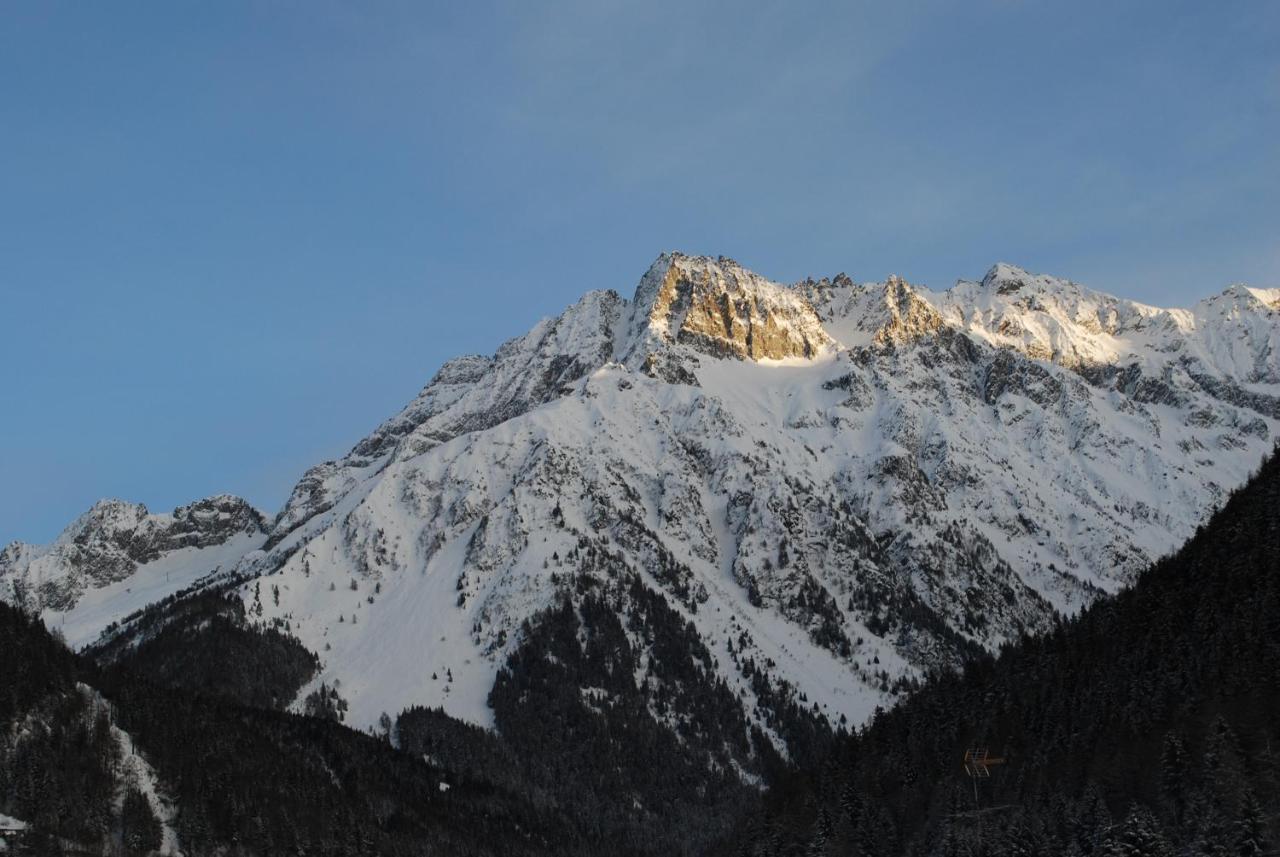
(236, 236)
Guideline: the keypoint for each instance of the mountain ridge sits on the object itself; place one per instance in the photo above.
(849, 483)
(117, 542)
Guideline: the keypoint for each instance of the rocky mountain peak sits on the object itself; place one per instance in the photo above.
(112, 540)
(1007, 285)
(1239, 298)
(1004, 278)
(717, 307)
(104, 519)
(207, 520)
(908, 315)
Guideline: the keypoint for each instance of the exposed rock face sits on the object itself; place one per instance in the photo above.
(110, 542)
(720, 309)
(908, 316)
(201, 524)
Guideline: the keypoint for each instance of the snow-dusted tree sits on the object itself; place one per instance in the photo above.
(1139, 835)
(1249, 838)
(139, 827)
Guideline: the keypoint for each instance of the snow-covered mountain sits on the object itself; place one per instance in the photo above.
(839, 485)
(117, 558)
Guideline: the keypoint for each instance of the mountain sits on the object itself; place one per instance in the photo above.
(839, 487)
(117, 558)
(1144, 726)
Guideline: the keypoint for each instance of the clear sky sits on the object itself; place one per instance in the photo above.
(236, 236)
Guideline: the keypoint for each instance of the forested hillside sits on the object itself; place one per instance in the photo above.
(1148, 725)
(659, 766)
(231, 776)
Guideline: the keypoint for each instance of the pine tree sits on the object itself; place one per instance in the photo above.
(1139, 835)
(850, 801)
(1092, 820)
(139, 827)
(1173, 775)
(1225, 762)
(1249, 840)
(821, 834)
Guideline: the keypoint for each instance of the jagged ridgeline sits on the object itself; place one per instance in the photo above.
(842, 486)
(1147, 726)
(695, 532)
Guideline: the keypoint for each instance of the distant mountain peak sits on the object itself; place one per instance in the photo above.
(1009, 277)
(1240, 297)
(108, 545)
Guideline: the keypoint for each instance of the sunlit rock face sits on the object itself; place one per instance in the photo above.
(721, 309)
(908, 316)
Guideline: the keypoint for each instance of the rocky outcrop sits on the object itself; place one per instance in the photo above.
(110, 542)
(909, 316)
(718, 308)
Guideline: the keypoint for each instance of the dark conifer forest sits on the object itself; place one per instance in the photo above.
(247, 779)
(1148, 725)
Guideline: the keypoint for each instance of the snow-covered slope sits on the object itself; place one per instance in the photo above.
(841, 485)
(117, 558)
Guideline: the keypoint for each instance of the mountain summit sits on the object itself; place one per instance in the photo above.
(719, 308)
